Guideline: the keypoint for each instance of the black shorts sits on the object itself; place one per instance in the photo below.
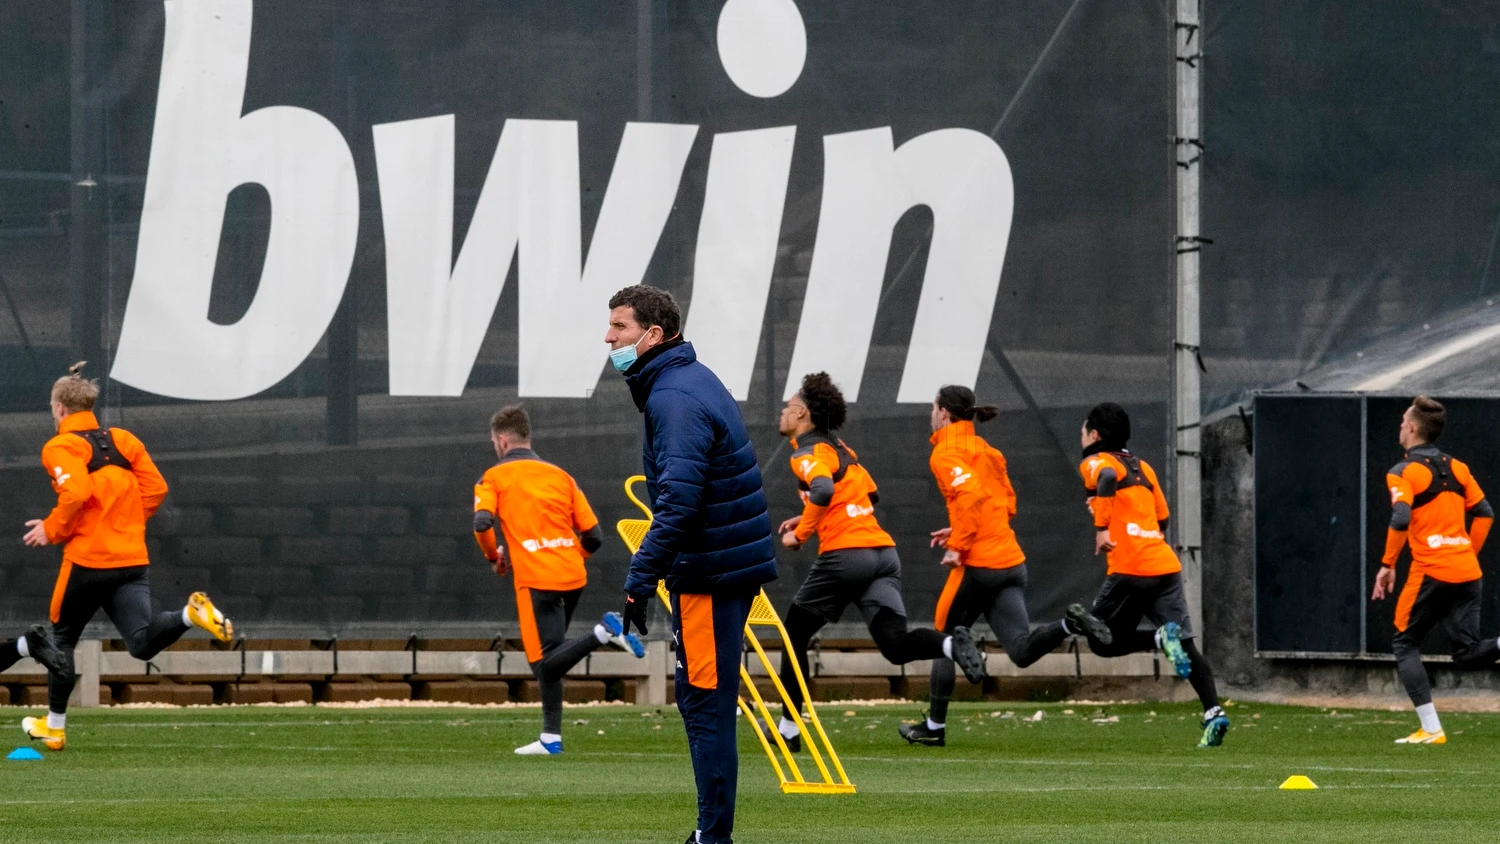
(867, 577)
(1125, 599)
(1427, 602)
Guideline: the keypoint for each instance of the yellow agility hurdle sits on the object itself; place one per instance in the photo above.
(762, 614)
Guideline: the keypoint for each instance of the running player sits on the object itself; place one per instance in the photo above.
(857, 561)
(107, 487)
(1144, 577)
(1432, 495)
(549, 530)
(986, 569)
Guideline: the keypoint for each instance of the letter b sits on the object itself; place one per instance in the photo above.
(202, 148)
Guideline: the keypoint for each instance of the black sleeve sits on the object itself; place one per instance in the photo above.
(1162, 523)
(1482, 510)
(1107, 481)
(592, 539)
(483, 520)
(874, 497)
(820, 491)
(1401, 516)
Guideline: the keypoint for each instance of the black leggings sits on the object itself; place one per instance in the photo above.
(551, 612)
(125, 596)
(1000, 596)
(897, 643)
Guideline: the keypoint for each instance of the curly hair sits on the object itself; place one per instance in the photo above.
(824, 400)
(75, 392)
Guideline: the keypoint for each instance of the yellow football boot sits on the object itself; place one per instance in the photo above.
(36, 729)
(202, 613)
(1424, 737)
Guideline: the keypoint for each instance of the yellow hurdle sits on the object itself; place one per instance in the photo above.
(762, 614)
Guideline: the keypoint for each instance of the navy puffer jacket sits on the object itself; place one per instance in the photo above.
(711, 531)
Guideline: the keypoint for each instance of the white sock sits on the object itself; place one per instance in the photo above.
(788, 728)
(1427, 713)
(601, 633)
(56, 720)
(1212, 713)
(186, 622)
(551, 738)
(1156, 637)
(1068, 629)
(933, 725)
(21, 647)
(948, 647)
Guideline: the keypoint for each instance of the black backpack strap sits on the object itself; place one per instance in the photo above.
(105, 452)
(1443, 480)
(1134, 476)
(846, 457)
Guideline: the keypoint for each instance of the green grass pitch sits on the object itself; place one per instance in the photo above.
(317, 774)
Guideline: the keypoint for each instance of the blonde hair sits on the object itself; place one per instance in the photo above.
(74, 392)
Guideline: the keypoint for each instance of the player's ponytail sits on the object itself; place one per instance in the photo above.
(961, 404)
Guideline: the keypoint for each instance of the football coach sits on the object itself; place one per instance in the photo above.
(710, 536)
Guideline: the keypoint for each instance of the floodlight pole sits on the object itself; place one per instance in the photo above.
(1187, 510)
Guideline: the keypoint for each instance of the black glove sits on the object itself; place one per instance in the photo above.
(483, 521)
(635, 612)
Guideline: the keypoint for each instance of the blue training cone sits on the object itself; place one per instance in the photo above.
(24, 754)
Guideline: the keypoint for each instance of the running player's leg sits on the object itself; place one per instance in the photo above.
(1009, 619)
(35, 643)
(820, 600)
(1169, 612)
(1419, 608)
(1462, 624)
(75, 599)
(961, 602)
(128, 605)
(885, 611)
(1121, 604)
(801, 625)
(544, 618)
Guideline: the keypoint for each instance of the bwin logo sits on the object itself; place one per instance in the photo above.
(439, 308)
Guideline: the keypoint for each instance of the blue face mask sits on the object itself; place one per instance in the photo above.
(624, 357)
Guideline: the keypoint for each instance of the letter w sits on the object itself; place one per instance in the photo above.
(437, 317)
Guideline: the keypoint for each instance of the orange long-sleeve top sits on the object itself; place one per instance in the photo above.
(100, 517)
(1442, 545)
(972, 477)
(848, 520)
(1133, 516)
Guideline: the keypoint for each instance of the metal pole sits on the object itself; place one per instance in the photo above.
(1187, 515)
(85, 219)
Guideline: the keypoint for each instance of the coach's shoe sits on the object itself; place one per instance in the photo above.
(1213, 731)
(1169, 639)
(1092, 627)
(540, 748)
(40, 646)
(202, 613)
(1424, 737)
(920, 733)
(36, 729)
(620, 638)
(967, 655)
